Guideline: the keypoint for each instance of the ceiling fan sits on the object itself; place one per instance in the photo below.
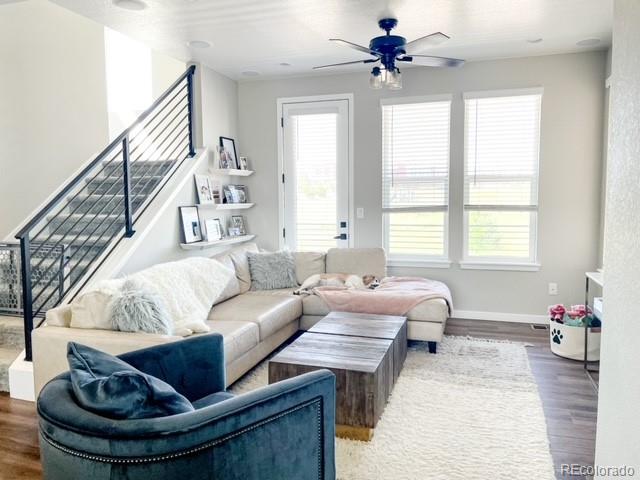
(389, 49)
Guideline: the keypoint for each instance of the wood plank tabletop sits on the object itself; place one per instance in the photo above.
(335, 352)
(360, 325)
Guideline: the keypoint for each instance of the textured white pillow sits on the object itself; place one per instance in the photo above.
(91, 309)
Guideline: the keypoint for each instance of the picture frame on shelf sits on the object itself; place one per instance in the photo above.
(190, 222)
(216, 190)
(204, 189)
(244, 163)
(224, 158)
(214, 229)
(229, 149)
(237, 223)
(235, 193)
(234, 232)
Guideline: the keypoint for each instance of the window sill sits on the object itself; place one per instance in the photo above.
(519, 267)
(419, 263)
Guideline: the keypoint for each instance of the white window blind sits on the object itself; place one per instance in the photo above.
(502, 142)
(314, 156)
(415, 178)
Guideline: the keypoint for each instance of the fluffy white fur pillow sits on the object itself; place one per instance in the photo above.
(137, 309)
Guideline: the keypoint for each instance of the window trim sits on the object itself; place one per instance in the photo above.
(419, 261)
(501, 263)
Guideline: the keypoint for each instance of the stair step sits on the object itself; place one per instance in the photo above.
(87, 203)
(78, 223)
(11, 333)
(7, 357)
(113, 185)
(140, 166)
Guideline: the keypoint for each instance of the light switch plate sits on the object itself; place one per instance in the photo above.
(360, 212)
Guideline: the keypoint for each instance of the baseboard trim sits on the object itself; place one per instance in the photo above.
(501, 317)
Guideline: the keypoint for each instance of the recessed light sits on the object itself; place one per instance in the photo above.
(588, 42)
(198, 44)
(135, 5)
(285, 64)
(534, 40)
(250, 73)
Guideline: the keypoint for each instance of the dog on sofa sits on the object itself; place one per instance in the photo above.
(337, 280)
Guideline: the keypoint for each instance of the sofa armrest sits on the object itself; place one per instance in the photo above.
(194, 366)
(50, 347)
(283, 430)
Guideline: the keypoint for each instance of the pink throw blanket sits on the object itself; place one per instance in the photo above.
(394, 296)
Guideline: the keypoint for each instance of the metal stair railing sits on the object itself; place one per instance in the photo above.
(100, 205)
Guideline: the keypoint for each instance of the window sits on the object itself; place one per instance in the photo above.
(502, 143)
(415, 179)
(128, 69)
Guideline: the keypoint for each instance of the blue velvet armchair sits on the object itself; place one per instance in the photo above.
(281, 431)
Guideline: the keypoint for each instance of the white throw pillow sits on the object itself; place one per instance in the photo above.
(90, 310)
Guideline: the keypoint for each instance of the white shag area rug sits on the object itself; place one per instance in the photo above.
(472, 411)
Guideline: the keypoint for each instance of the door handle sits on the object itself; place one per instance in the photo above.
(342, 236)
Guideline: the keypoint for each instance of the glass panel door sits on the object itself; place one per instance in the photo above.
(316, 170)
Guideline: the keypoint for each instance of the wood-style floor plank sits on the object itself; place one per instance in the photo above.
(568, 400)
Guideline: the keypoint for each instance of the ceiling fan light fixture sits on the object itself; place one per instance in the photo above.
(394, 79)
(375, 81)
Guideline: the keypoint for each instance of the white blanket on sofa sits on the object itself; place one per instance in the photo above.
(188, 289)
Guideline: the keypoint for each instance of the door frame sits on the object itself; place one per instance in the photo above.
(280, 102)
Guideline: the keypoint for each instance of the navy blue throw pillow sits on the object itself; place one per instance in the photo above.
(106, 385)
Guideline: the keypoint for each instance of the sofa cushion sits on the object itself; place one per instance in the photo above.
(269, 312)
(434, 310)
(238, 257)
(359, 261)
(309, 263)
(110, 387)
(270, 271)
(239, 337)
(212, 399)
(91, 309)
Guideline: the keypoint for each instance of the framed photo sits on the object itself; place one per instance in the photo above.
(203, 188)
(237, 223)
(235, 194)
(216, 190)
(214, 229)
(190, 222)
(224, 159)
(229, 147)
(244, 164)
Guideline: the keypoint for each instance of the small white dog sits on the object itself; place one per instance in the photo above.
(336, 280)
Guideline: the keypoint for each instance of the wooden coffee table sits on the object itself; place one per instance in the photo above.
(365, 352)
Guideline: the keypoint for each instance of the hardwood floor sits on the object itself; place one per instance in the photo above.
(568, 400)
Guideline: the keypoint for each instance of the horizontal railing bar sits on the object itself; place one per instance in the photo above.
(184, 117)
(115, 234)
(76, 180)
(178, 103)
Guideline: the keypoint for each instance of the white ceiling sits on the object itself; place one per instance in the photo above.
(259, 35)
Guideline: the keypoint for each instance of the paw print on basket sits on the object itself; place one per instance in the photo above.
(556, 336)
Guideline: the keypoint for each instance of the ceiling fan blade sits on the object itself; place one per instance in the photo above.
(355, 46)
(430, 61)
(368, 60)
(422, 43)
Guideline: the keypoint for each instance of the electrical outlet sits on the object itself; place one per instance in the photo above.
(360, 212)
(553, 289)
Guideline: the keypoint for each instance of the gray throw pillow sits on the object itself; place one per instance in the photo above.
(270, 271)
(137, 309)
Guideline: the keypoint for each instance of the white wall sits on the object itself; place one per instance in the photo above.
(216, 111)
(618, 434)
(571, 153)
(53, 106)
(164, 71)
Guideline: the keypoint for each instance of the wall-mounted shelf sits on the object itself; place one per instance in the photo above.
(234, 172)
(228, 206)
(216, 243)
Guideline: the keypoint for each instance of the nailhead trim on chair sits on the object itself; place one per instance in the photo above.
(97, 458)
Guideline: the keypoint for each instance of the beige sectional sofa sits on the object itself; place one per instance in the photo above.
(253, 323)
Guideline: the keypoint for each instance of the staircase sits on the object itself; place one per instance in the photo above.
(62, 245)
(11, 344)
